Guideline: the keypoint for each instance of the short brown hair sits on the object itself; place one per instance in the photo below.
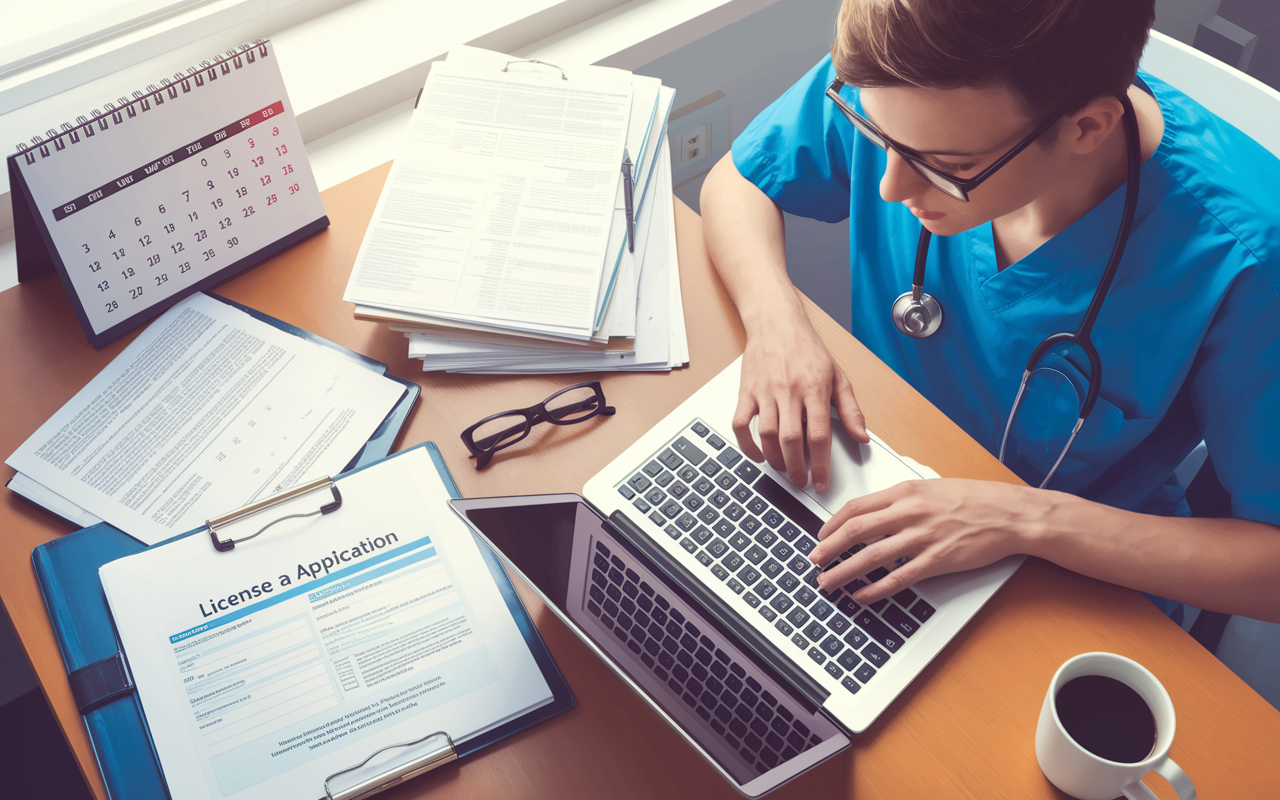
(1055, 56)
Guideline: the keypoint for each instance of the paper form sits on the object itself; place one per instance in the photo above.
(267, 668)
(499, 204)
(207, 410)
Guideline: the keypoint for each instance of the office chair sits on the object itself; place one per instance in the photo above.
(1249, 647)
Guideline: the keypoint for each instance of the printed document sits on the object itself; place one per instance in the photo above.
(267, 668)
(499, 204)
(207, 410)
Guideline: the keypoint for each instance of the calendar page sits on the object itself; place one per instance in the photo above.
(168, 193)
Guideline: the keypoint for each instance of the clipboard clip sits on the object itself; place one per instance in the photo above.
(442, 753)
(553, 65)
(274, 500)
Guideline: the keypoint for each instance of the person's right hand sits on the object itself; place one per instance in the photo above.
(790, 382)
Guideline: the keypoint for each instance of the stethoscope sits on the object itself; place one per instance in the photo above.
(918, 314)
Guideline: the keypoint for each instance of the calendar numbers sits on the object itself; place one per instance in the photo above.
(119, 254)
(258, 161)
(112, 306)
(265, 179)
(86, 247)
(294, 189)
(224, 224)
(102, 287)
(168, 228)
(287, 168)
(232, 242)
(135, 293)
(248, 211)
(208, 254)
(161, 209)
(127, 272)
(210, 185)
(153, 260)
(111, 234)
(281, 150)
(176, 248)
(234, 172)
(193, 216)
(241, 192)
(216, 203)
(162, 278)
(200, 236)
(183, 268)
(94, 266)
(144, 240)
(271, 200)
(137, 221)
(187, 194)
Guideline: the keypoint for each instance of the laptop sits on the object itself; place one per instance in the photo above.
(684, 565)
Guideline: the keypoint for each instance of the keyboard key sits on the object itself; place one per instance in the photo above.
(898, 618)
(678, 490)
(771, 568)
(817, 655)
(686, 522)
(719, 571)
(739, 541)
(781, 603)
(849, 659)
(783, 628)
(687, 473)
(848, 606)
(805, 596)
(878, 630)
(742, 493)
(788, 582)
(832, 645)
(772, 518)
(855, 639)
(799, 565)
(729, 457)
(865, 673)
(805, 544)
(700, 429)
(626, 491)
(715, 441)
(671, 460)
(850, 684)
(876, 574)
(875, 655)
(765, 590)
(749, 575)
(922, 611)
(708, 515)
(733, 561)
(782, 551)
(755, 554)
(749, 524)
(688, 544)
(718, 499)
(657, 519)
(704, 558)
(700, 535)
(717, 547)
(664, 604)
(811, 578)
(639, 482)
(788, 531)
(820, 610)
(766, 538)
(751, 599)
(703, 487)
(664, 478)
(905, 598)
(693, 502)
(878, 606)
(735, 586)
(724, 527)
(747, 471)
(767, 613)
(815, 631)
(798, 616)
(839, 623)
(687, 449)
(641, 505)
(801, 642)
(725, 480)
(710, 468)
(833, 669)
(593, 608)
(757, 505)
(672, 509)
(854, 585)
(652, 469)
(734, 511)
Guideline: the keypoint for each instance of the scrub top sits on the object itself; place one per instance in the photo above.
(1189, 335)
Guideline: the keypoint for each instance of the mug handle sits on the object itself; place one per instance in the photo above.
(1172, 773)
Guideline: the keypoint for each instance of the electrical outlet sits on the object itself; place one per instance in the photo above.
(695, 144)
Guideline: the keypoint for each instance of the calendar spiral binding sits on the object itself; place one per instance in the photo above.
(125, 108)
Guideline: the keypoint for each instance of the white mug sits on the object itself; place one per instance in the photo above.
(1086, 776)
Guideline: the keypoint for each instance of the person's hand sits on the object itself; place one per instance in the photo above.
(790, 381)
(942, 526)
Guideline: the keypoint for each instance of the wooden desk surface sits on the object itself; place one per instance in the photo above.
(965, 727)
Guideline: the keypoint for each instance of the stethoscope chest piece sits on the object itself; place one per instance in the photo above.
(918, 318)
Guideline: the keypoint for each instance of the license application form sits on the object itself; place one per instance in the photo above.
(267, 668)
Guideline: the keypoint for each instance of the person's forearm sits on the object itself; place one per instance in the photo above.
(1228, 565)
(744, 234)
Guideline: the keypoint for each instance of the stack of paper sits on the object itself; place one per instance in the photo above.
(499, 243)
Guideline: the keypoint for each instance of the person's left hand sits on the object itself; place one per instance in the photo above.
(942, 526)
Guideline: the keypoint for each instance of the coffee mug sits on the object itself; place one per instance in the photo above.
(1073, 768)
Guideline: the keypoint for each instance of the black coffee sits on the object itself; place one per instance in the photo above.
(1107, 718)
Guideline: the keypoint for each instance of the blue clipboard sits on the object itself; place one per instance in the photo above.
(67, 571)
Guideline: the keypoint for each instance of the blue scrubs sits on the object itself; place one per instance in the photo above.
(1189, 336)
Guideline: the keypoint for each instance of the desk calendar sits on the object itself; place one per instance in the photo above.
(153, 198)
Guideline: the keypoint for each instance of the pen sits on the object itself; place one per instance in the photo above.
(628, 188)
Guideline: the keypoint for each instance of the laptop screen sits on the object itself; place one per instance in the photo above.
(734, 710)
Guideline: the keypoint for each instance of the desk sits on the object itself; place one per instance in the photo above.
(965, 728)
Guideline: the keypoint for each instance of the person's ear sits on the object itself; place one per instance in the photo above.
(1086, 130)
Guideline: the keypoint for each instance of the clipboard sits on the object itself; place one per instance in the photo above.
(67, 572)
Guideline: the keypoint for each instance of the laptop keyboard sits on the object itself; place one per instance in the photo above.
(763, 729)
(755, 536)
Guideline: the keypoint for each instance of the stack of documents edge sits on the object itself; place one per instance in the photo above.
(499, 244)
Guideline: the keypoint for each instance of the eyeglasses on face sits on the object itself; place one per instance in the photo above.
(569, 406)
(951, 185)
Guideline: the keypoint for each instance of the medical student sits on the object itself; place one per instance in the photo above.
(935, 94)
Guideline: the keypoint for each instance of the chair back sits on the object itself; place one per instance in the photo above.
(1244, 101)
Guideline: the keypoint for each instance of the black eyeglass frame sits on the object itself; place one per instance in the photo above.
(532, 416)
(914, 159)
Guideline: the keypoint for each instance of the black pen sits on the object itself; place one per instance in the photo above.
(628, 188)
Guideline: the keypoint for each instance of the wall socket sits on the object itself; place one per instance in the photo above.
(699, 136)
(695, 144)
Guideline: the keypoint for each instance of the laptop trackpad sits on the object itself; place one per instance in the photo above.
(859, 469)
